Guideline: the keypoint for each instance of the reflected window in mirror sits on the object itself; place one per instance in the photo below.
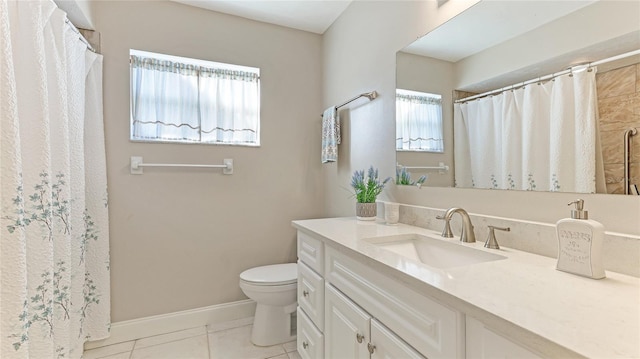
(419, 121)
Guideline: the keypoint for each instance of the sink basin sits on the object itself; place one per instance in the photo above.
(433, 252)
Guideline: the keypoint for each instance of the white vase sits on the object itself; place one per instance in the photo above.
(366, 211)
(391, 212)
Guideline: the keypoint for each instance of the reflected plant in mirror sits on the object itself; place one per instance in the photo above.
(500, 83)
(403, 178)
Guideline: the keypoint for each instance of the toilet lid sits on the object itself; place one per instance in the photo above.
(276, 274)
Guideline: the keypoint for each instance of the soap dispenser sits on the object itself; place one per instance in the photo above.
(580, 243)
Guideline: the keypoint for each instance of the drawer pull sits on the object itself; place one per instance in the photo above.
(371, 348)
(359, 337)
(305, 345)
(305, 293)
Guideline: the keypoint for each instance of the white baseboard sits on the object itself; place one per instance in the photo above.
(171, 322)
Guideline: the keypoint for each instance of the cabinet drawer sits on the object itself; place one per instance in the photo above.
(310, 342)
(311, 252)
(311, 294)
(431, 328)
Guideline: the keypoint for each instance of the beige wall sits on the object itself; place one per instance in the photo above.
(180, 237)
(359, 54)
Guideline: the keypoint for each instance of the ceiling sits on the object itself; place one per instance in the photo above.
(489, 23)
(308, 15)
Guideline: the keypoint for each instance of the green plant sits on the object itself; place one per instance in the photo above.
(367, 188)
(403, 177)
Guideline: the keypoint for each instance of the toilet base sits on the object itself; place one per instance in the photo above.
(273, 325)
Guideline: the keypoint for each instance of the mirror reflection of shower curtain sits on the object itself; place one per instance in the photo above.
(539, 138)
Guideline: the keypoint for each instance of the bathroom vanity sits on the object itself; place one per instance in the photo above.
(368, 290)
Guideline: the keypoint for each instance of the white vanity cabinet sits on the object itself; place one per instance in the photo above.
(311, 294)
(388, 345)
(351, 333)
(433, 329)
(483, 343)
(355, 287)
(310, 341)
(347, 330)
(350, 309)
(310, 314)
(343, 305)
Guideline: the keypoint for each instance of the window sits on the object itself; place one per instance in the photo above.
(418, 121)
(177, 99)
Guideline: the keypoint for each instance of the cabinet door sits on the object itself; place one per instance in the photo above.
(346, 327)
(432, 328)
(483, 343)
(385, 344)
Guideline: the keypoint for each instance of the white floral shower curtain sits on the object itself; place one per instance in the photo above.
(54, 249)
(539, 138)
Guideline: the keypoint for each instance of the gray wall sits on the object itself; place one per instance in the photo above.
(359, 55)
(180, 237)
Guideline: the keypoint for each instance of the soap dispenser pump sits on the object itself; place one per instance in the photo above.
(580, 243)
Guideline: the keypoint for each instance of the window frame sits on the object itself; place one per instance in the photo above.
(435, 96)
(198, 63)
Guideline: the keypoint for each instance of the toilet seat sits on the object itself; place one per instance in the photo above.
(271, 275)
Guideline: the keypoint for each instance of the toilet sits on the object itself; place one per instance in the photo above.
(274, 288)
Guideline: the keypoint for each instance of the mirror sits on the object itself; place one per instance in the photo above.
(495, 44)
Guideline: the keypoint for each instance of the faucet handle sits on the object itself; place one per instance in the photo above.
(446, 231)
(492, 242)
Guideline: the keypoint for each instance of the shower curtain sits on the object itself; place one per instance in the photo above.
(54, 249)
(538, 138)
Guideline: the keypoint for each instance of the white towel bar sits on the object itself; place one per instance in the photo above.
(441, 168)
(137, 164)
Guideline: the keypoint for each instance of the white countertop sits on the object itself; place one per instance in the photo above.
(593, 318)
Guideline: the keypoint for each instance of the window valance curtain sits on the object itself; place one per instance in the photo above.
(174, 101)
(419, 123)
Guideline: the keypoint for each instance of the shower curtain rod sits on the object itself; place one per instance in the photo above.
(82, 38)
(549, 77)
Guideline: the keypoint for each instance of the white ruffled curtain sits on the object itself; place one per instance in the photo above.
(174, 101)
(418, 122)
(539, 138)
(54, 235)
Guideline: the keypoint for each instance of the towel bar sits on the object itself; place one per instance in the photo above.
(441, 167)
(137, 164)
(370, 95)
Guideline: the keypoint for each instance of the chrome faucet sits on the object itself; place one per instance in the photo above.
(467, 234)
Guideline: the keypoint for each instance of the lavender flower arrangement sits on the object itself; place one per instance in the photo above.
(403, 177)
(367, 188)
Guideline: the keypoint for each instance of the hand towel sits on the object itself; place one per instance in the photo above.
(330, 134)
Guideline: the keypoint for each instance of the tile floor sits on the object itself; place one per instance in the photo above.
(230, 340)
